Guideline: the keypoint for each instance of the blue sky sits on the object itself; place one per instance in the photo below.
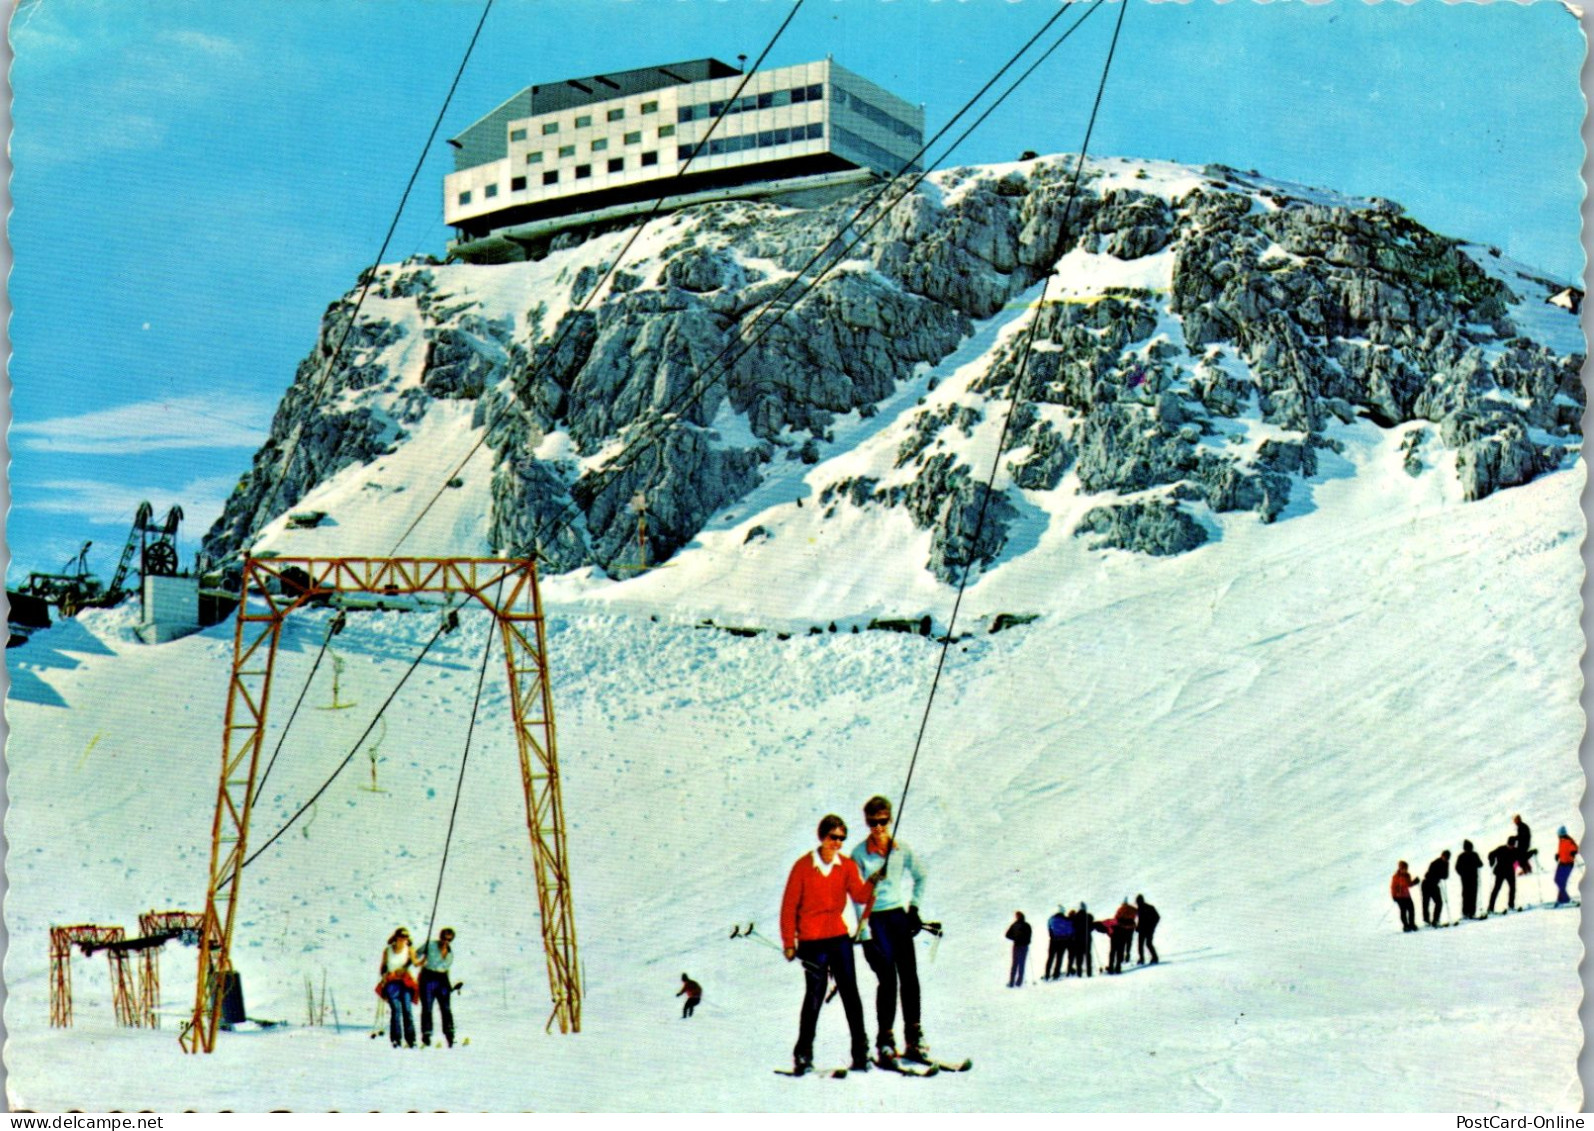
(195, 182)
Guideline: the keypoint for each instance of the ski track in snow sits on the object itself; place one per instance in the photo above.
(1250, 734)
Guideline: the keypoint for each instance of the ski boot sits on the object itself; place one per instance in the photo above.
(861, 1062)
(918, 1051)
(801, 1065)
(886, 1050)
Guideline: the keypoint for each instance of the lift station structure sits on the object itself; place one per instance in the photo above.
(274, 587)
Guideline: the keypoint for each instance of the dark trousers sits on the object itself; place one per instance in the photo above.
(398, 1005)
(1055, 949)
(823, 959)
(1118, 948)
(1080, 956)
(889, 952)
(1432, 904)
(1469, 896)
(1145, 943)
(1408, 913)
(1509, 881)
(691, 1004)
(435, 987)
(1015, 976)
(1563, 872)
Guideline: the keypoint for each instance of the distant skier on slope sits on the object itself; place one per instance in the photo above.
(1468, 865)
(1565, 853)
(1525, 847)
(1145, 928)
(1400, 885)
(1504, 860)
(694, 994)
(436, 961)
(1433, 904)
(812, 929)
(889, 928)
(1121, 937)
(1018, 933)
(1079, 951)
(1059, 932)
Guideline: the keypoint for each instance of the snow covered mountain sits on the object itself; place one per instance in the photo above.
(1204, 333)
(1272, 623)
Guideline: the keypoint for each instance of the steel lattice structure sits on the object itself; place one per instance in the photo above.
(274, 587)
(93, 937)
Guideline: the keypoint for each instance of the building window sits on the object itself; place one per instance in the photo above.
(600, 145)
(567, 151)
(583, 171)
(650, 158)
(490, 191)
(517, 135)
(616, 164)
(666, 131)
(534, 158)
(814, 93)
(682, 153)
(650, 107)
(550, 128)
(551, 177)
(634, 137)
(583, 121)
(517, 184)
(616, 114)
(464, 197)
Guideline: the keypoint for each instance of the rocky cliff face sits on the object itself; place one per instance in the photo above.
(1205, 334)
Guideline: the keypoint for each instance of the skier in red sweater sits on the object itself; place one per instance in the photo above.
(812, 929)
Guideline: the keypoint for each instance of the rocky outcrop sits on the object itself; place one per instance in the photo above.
(689, 376)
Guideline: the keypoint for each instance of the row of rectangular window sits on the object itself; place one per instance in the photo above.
(582, 121)
(551, 177)
(760, 140)
(878, 116)
(598, 145)
(767, 101)
(882, 158)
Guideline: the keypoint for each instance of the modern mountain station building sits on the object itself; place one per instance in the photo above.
(590, 150)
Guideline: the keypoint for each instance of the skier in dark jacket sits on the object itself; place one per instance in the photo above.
(693, 992)
(1433, 904)
(1145, 927)
(1079, 950)
(1059, 933)
(1524, 843)
(1468, 865)
(1504, 860)
(1019, 932)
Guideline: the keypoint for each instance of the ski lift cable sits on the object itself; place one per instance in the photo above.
(696, 388)
(436, 636)
(459, 786)
(1014, 402)
(319, 388)
(648, 433)
(332, 630)
(569, 322)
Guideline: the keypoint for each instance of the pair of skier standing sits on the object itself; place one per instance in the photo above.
(875, 876)
(399, 988)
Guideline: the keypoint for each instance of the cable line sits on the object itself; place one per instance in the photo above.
(459, 786)
(569, 322)
(648, 432)
(442, 628)
(1014, 402)
(333, 628)
(369, 276)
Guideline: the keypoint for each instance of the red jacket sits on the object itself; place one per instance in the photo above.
(1126, 914)
(1565, 850)
(812, 906)
(1400, 885)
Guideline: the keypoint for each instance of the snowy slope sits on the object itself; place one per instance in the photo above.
(1250, 734)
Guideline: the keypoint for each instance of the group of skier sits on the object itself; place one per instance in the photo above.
(1506, 862)
(1069, 951)
(398, 987)
(886, 882)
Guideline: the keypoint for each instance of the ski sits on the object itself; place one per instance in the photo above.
(901, 1069)
(832, 1073)
(942, 1065)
